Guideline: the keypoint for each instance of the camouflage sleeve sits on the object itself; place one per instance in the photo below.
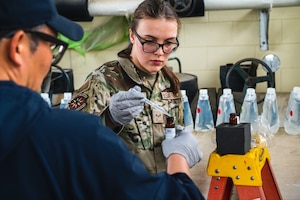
(92, 97)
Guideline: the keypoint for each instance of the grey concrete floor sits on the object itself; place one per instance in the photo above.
(285, 161)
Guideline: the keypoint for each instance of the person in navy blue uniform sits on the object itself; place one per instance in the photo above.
(48, 153)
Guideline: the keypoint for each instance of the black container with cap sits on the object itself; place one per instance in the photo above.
(233, 138)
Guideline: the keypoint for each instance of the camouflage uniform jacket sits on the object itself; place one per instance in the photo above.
(145, 133)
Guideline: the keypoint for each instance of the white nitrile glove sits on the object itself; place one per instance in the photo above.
(185, 144)
(126, 105)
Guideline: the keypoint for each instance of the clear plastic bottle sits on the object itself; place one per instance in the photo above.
(292, 117)
(249, 110)
(204, 118)
(45, 96)
(270, 110)
(226, 106)
(187, 116)
(65, 100)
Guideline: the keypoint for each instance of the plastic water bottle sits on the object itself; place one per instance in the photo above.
(270, 110)
(65, 100)
(288, 108)
(292, 117)
(226, 106)
(45, 96)
(187, 116)
(204, 118)
(249, 110)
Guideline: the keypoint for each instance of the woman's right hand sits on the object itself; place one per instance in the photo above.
(126, 105)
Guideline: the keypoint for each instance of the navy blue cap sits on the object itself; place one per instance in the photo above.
(19, 14)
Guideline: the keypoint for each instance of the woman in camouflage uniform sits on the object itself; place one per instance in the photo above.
(153, 36)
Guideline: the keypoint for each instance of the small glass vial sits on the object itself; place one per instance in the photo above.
(170, 131)
(233, 119)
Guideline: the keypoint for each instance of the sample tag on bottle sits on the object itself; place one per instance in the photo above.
(170, 133)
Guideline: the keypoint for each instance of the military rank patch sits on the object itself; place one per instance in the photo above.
(157, 117)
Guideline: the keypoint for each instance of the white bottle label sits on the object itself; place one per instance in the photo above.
(170, 133)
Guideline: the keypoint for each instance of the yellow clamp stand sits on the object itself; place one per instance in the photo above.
(242, 169)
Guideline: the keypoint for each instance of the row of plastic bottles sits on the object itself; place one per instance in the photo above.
(270, 112)
(249, 111)
(270, 115)
(204, 119)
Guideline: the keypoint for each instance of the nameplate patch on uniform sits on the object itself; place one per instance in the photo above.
(167, 95)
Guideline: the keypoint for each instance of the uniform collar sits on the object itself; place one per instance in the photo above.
(132, 72)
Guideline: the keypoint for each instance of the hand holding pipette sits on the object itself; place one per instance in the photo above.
(126, 105)
(154, 105)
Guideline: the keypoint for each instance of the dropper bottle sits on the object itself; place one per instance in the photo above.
(170, 131)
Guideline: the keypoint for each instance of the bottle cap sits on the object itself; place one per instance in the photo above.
(296, 89)
(297, 93)
(271, 91)
(250, 94)
(183, 92)
(67, 95)
(227, 91)
(250, 91)
(203, 91)
(271, 94)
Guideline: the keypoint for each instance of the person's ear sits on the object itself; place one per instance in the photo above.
(17, 47)
(131, 36)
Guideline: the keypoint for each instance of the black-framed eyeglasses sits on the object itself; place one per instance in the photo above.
(58, 47)
(151, 47)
